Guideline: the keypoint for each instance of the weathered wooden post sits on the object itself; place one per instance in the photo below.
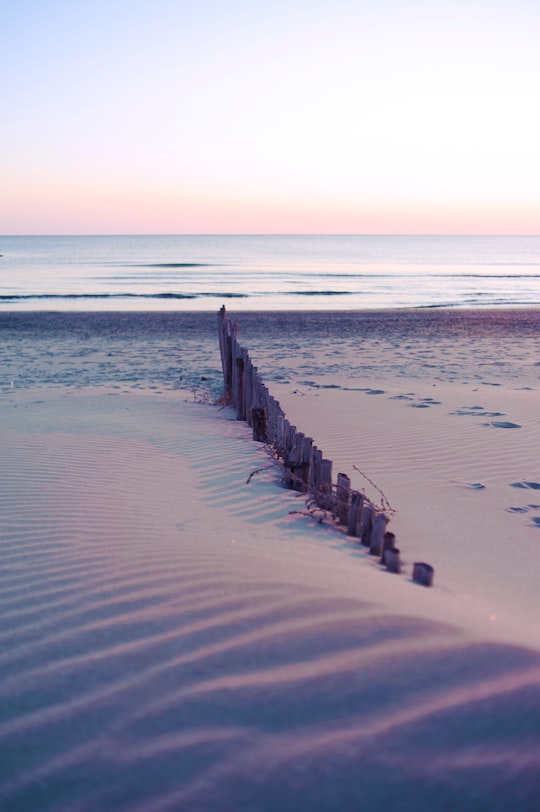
(390, 553)
(423, 573)
(259, 424)
(225, 346)
(324, 492)
(315, 470)
(305, 461)
(355, 513)
(289, 451)
(378, 529)
(290, 457)
(280, 434)
(239, 382)
(366, 523)
(269, 403)
(343, 493)
(296, 462)
(388, 543)
(392, 560)
(248, 390)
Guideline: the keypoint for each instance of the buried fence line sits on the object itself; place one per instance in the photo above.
(305, 468)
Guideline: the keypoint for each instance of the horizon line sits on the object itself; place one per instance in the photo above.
(269, 234)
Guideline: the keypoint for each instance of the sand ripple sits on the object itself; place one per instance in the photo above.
(157, 654)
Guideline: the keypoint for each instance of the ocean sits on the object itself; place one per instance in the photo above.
(285, 272)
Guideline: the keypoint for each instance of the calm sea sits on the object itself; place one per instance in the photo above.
(267, 272)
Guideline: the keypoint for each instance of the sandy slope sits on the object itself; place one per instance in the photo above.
(174, 638)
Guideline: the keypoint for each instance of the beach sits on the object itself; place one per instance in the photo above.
(179, 633)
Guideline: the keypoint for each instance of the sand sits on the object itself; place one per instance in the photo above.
(442, 412)
(174, 637)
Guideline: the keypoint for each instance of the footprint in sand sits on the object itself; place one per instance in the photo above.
(535, 520)
(472, 486)
(525, 485)
(504, 424)
(425, 403)
(477, 411)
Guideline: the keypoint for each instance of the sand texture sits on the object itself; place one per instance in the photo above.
(174, 637)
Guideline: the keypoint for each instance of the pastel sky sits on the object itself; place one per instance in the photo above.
(284, 116)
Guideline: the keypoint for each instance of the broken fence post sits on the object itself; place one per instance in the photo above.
(423, 573)
(393, 561)
(388, 543)
(390, 554)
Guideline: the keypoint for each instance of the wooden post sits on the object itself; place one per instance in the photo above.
(305, 461)
(259, 423)
(423, 573)
(343, 494)
(355, 513)
(280, 434)
(290, 460)
(248, 390)
(315, 470)
(256, 399)
(324, 492)
(273, 408)
(388, 544)
(222, 327)
(365, 524)
(284, 452)
(239, 382)
(378, 530)
(296, 462)
(290, 441)
(225, 346)
(392, 560)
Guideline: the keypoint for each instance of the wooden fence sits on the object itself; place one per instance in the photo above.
(305, 468)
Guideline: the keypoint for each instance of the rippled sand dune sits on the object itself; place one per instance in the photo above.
(174, 638)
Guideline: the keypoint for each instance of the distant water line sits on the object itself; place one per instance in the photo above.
(268, 272)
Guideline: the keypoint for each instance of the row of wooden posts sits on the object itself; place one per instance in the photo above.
(305, 467)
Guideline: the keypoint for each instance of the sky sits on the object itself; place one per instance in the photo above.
(289, 116)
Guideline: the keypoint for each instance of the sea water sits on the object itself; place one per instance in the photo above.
(259, 272)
